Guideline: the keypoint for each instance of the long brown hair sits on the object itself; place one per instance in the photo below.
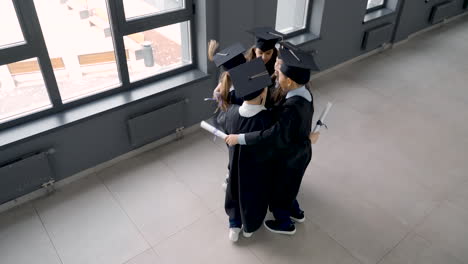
(225, 85)
(250, 55)
(225, 82)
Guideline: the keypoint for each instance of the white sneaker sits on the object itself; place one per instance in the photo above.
(224, 185)
(225, 182)
(234, 234)
(246, 235)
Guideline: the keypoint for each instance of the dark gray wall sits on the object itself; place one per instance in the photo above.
(88, 143)
(415, 15)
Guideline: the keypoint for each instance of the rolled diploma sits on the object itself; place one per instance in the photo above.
(213, 130)
(322, 117)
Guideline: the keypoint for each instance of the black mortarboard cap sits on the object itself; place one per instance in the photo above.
(230, 57)
(266, 37)
(297, 64)
(250, 78)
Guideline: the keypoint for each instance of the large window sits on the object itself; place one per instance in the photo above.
(58, 54)
(373, 5)
(158, 50)
(147, 7)
(292, 15)
(83, 51)
(10, 34)
(21, 90)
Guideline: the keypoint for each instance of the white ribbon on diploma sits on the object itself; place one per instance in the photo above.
(213, 130)
(323, 116)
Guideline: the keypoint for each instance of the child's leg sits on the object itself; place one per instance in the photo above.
(297, 215)
(282, 223)
(281, 210)
(231, 205)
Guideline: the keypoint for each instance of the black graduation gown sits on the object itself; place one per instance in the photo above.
(290, 136)
(249, 172)
(233, 99)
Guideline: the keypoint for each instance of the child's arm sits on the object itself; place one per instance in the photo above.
(279, 134)
(314, 137)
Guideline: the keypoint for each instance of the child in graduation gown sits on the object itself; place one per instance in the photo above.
(226, 59)
(266, 39)
(246, 200)
(290, 136)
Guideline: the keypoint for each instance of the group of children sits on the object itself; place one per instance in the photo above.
(266, 109)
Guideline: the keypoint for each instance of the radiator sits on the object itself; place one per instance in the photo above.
(441, 12)
(24, 175)
(378, 36)
(158, 123)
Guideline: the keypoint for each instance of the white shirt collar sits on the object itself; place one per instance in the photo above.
(302, 92)
(248, 110)
(231, 88)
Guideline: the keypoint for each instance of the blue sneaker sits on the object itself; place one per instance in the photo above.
(285, 228)
(298, 217)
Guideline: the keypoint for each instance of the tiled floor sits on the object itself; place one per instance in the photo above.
(387, 184)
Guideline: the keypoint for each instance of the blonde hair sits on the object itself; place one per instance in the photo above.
(225, 85)
(224, 80)
(213, 46)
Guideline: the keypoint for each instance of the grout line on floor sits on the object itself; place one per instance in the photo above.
(47, 232)
(124, 211)
(411, 232)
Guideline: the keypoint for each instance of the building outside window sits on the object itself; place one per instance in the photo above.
(373, 5)
(292, 15)
(79, 49)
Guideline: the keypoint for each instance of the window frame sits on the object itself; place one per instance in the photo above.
(375, 8)
(307, 23)
(34, 46)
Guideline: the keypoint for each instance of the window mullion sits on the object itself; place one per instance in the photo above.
(16, 53)
(117, 19)
(28, 18)
(156, 21)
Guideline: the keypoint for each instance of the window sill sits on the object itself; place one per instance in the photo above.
(48, 124)
(303, 39)
(383, 12)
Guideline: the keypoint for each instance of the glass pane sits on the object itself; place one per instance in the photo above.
(158, 50)
(22, 90)
(79, 42)
(12, 33)
(374, 3)
(138, 8)
(291, 15)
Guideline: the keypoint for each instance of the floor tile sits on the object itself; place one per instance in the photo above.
(200, 165)
(205, 241)
(416, 250)
(87, 225)
(153, 197)
(367, 231)
(445, 228)
(308, 245)
(147, 257)
(23, 239)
